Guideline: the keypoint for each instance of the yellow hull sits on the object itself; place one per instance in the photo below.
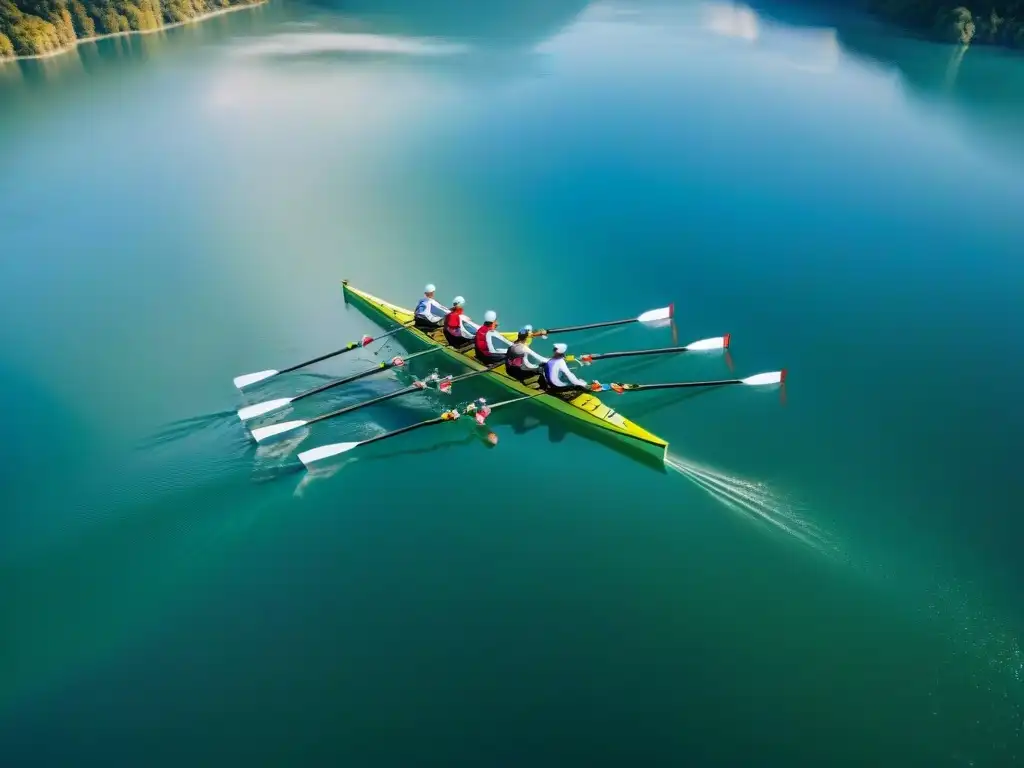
(586, 407)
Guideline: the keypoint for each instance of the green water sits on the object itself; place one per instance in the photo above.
(824, 575)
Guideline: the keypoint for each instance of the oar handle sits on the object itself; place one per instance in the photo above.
(680, 385)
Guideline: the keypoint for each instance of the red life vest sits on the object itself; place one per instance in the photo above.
(453, 322)
(481, 340)
(512, 358)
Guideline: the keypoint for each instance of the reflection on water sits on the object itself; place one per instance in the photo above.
(984, 83)
(502, 25)
(810, 49)
(731, 20)
(311, 43)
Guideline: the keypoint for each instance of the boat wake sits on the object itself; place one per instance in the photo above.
(757, 502)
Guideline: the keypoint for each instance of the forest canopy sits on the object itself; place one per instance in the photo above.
(34, 27)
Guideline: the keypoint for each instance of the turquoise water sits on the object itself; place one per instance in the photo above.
(828, 573)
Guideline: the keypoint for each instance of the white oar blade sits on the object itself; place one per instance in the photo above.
(325, 452)
(251, 378)
(654, 315)
(252, 411)
(775, 377)
(261, 434)
(718, 342)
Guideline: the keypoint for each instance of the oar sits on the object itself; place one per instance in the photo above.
(249, 379)
(650, 316)
(775, 377)
(263, 433)
(718, 342)
(267, 406)
(333, 449)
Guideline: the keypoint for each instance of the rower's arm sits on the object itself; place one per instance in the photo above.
(531, 365)
(497, 349)
(468, 327)
(435, 311)
(573, 377)
(562, 369)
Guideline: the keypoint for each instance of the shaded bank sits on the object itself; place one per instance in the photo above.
(32, 28)
(984, 22)
(974, 21)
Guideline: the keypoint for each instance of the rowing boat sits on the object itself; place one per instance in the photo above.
(586, 408)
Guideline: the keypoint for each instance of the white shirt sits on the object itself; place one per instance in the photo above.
(467, 328)
(431, 310)
(558, 368)
(522, 348)
(496, 343)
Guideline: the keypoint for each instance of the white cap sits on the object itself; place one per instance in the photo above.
(429, 288)
(458, 301)
(490, 316)
(560, 348)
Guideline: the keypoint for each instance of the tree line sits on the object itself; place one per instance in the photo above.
(33, 27)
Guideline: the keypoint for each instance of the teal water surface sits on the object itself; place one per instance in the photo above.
(826, 574)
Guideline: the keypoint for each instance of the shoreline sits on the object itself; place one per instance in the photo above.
(164, 28)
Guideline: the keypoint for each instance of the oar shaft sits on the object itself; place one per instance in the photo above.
(538, 393)
(605, 324)
(636, 353)
(682, 385)
(381, 367)
(363, 404)
(347, 348)
(326, 451)
(403, 430)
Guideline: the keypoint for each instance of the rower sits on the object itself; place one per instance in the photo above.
(518, 364)
(556, 377)
(455, 330)
(490, 345)
(429, 313)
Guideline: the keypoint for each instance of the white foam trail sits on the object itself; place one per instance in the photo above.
(755, 501)
(298, 44)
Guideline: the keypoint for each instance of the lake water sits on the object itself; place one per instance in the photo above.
(827, 574)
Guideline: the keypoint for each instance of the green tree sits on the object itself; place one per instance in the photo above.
(30, 27)
(84, 24)
(32, 36)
